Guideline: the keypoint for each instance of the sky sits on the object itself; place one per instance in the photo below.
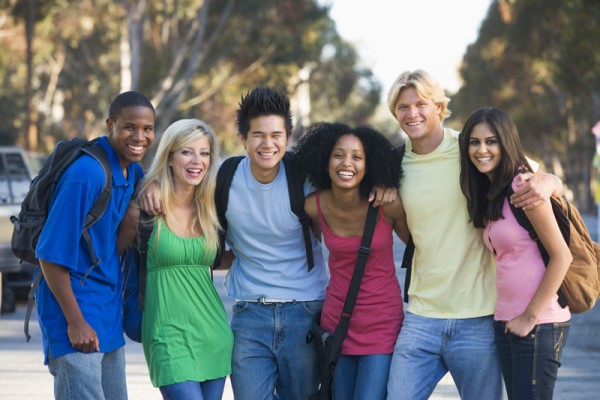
(393, 36)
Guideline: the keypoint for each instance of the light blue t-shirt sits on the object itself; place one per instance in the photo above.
(267, 240)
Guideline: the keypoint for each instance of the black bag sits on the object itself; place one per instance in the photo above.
(134, 266)
(329, 346)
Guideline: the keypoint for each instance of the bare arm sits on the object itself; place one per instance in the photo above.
(381, 196)
(543, 221)
(81, 335)
(226, 260)
(395, 214)
(310, 207)
(128, 227)
(149, 199)
(537, 189)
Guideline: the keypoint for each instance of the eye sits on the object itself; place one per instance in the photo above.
(205, 154)
(473, 142)
(186, 152)
(492, 141)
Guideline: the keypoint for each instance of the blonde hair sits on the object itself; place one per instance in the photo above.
(177, 136)
(425, 85)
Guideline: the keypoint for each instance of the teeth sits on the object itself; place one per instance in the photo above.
(195, 171)
(136, 148)
(346, 173)
(485, 159)
(413, 123)
(267, 154)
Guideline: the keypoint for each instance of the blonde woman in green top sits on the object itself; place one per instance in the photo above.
(186, 336)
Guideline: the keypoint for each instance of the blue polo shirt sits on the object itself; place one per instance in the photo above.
(99, 295)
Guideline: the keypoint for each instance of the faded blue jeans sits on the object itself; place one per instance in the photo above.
(427, 348)
(530, 364)
(206, 390)
(361, 377)
(270, 350)
(89, 375)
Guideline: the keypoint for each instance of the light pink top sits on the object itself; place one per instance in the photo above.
(378, 314)
(519, 269)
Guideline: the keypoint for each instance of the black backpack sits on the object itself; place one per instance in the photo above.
(134, 265)
(295, 182)
(29, 223)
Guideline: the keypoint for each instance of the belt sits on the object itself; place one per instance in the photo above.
(267, 300)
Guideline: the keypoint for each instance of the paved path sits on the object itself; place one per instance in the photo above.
(24, 377)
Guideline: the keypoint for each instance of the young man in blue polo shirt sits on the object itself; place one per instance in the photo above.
(81, 316)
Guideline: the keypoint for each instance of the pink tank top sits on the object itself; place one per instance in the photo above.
(519, 269)
(378, 314)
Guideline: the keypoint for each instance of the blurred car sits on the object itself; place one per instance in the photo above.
(15, 178)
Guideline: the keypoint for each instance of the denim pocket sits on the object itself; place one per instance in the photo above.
(312, 307)
(239, 306)
(560, 331)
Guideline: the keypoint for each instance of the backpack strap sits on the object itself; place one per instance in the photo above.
(224, 178)
(100, 205)
(145, 228)
(295, 184)
(409, 251)
(563, 224)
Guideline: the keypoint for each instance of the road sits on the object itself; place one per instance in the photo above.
(24, 377)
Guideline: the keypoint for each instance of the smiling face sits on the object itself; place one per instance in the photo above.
(265, 144)
(485, 150)
(131, 133)
(347, 162)
(418, 117)
(190, 163)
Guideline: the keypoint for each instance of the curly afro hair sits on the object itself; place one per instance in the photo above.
(315, 147)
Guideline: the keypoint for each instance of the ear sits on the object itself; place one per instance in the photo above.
(110, 126)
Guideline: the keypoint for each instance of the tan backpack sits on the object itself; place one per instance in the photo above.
(581, 287)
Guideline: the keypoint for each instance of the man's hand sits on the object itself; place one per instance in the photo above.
(149, 199)
(536, 189)
(383, 196)
(82, 336)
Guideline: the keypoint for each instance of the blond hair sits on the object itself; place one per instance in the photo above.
(177, 136)
(425, 85)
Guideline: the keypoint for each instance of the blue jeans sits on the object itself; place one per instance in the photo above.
(89, 375)
(530, 364)
(270, 351)
(207, 390)
(427, 348)
(361, 377)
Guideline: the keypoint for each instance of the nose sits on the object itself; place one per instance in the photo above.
(412, 111)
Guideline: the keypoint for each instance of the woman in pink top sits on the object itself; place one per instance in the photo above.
(531, 327)
(344, 165)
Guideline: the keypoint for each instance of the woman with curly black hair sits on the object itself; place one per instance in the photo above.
(345, 164)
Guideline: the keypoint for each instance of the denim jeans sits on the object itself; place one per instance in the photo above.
(207, 390)
(270, 350)
(530, 364)
(427, 348)
(361, 377)
(89, 375)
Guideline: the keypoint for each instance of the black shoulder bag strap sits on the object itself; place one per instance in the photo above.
(363, 254)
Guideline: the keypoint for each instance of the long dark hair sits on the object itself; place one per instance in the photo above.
(485, 198)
